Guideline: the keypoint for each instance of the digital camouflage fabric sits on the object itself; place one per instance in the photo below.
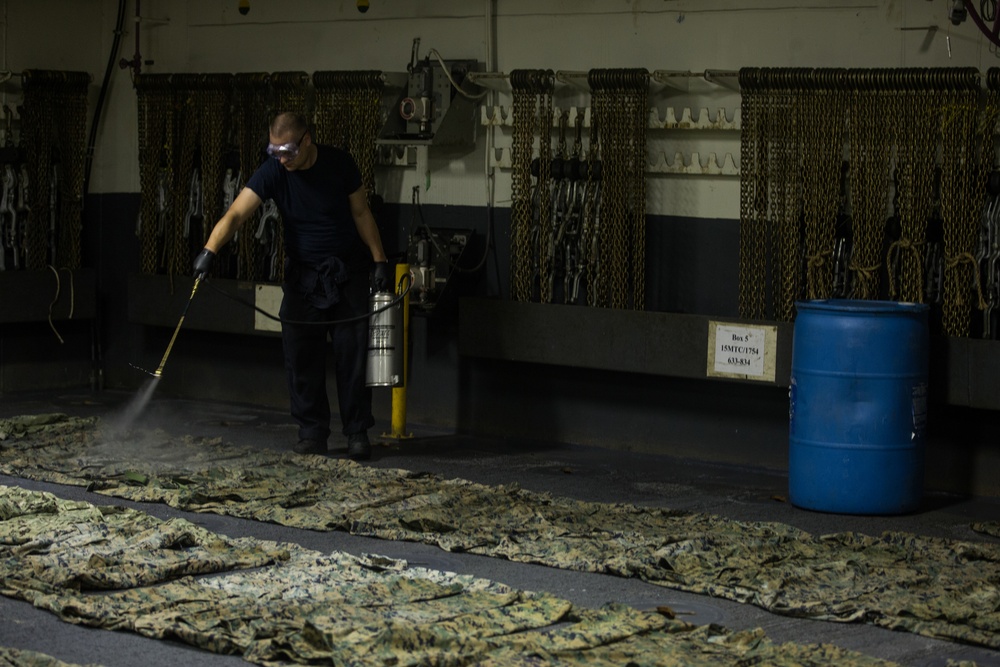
(304, 607)
(10, 657)
(939, 588)
(991, 528)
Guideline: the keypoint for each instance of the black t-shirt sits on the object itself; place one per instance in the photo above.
(314, 206)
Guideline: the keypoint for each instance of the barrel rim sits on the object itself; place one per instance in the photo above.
(862, 306)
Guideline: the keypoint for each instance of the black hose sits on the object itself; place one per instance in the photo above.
(356, 318)
(116, 44)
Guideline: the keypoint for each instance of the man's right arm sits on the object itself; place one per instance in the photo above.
(225, 229)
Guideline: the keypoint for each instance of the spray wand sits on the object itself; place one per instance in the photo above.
(159, 369)
(142, 398)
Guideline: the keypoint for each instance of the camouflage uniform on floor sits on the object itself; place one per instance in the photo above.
(939, 588)
(310, 608)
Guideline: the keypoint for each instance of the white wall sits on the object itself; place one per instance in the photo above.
(567, 35)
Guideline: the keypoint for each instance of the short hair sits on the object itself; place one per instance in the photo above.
(288, 122)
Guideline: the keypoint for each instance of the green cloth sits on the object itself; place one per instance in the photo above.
(301, 606)
(12, 657)
(991, 528)
(935, 587)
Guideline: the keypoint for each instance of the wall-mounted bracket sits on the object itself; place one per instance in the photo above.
(424, 108)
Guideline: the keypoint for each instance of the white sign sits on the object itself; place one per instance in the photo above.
(267, 298)
(741, 351)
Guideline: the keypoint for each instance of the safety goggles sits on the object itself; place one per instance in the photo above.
(289, 151)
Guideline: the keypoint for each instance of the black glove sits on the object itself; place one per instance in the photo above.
(381, 281)
(203, 262)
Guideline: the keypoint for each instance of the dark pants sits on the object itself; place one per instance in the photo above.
(305, 347)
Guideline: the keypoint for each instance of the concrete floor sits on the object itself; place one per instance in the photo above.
(578, 472)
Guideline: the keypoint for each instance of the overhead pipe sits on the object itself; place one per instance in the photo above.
(136, 62)
(95, 121)
(490, 11)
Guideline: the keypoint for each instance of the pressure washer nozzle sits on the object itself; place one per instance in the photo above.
(144, 370)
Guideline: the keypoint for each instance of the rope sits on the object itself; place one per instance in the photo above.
(899, 249)
(55, 298)
(952, 262)
(815, 265)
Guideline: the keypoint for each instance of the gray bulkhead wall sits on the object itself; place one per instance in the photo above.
(693, 220)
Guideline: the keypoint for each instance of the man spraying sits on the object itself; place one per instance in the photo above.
(330, 242)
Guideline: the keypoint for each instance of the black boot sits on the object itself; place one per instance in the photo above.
(358, 447)
(308, 446)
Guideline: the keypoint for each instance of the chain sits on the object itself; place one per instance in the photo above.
(37, 117)
(962, 183)
(985, 131)
(790, 191)
(154, 100)
(290, 91)
(988, 279)
(213, 101)
(796, 121)
(543, 249)
(323, 108)
(620, 111)
(531, 89)
(811, 116)
(166, 176)
(182, 121)
(771, 211)
(588, 255)
(860, 149)
(370, 112)
(820, 123)
(612, 206)
(766, 199)
(341, 114)
(522, 110)
(71, 123)
(824, 134)
(615, 199)
(598, 258)
(351, 100)
(145, 192)
(870, 161)
(219, 121)
(254, 109)
(638, 117)
(621, 186)
(900, 119)
(916, 142)
(186, 137)
(752, 195)
(54, 118)
(892, 104)
(775, 211)
(790, 148)
(333, 108)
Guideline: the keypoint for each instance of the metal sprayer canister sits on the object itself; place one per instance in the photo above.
(385, 342)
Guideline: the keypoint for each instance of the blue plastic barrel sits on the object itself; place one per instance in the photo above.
(858, 406)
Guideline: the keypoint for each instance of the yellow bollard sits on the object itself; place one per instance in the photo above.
(399, 393)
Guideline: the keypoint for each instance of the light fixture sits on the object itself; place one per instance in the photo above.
(957, 13)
